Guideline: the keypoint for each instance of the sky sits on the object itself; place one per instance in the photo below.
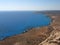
(29, 5)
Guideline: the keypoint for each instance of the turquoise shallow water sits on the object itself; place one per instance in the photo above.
(16, 22)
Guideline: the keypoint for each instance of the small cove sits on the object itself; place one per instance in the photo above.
(16, 22)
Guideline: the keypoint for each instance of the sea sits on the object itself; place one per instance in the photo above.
(16, 22)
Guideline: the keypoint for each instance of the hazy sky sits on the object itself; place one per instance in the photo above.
(29, 5)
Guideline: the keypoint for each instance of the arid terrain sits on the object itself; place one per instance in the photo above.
(47, 35)
(54, 38)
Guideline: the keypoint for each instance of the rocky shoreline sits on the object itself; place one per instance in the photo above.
(38, 36)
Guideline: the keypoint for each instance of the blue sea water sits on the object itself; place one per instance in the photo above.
(16, 22)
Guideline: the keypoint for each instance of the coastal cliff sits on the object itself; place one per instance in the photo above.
(47, 35)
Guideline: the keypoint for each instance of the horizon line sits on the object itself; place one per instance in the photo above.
(29, 10)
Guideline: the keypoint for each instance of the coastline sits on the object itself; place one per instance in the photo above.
(32, 37)
(54, 37)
